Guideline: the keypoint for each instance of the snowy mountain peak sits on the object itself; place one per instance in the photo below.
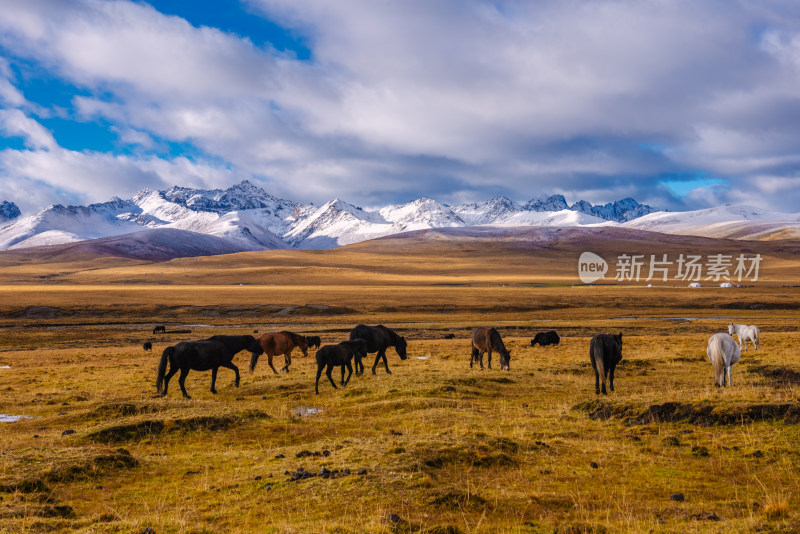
(487, 211)
(421, 213)
(8, 211)
(547, 203)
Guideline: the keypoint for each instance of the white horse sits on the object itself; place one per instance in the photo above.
(723, 352)
(745, 333)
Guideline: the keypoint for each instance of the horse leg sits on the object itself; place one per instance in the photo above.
(489, 358)
(349, 373)
(287, 361)
(596, 378)
(232, 367)
(385, 362)
(172, 370)
(374, 365)
(181, 380)
(269, 361)
(359, 365)
(328, 372)
(213, 380)
(473, 356)
(320, 366)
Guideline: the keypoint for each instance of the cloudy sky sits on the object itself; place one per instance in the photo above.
(677, 103)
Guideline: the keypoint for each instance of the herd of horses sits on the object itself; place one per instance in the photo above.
(605, 352)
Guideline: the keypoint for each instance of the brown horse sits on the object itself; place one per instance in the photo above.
(275, 343)
(485, 339)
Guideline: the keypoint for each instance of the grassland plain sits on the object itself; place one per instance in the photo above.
(444, 448)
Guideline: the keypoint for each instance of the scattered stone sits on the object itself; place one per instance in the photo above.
(257, 477)
(362, 472)
(279, 456)
(671, 441)
(524, 405)
(700, 451)
(545, 472)
(541, 444)
(705, 516)
(267, 487)
(67, 432)
(393, 518)
(395, 433)
(755, 454)
(239, 398)
(148, 530)
(687, 431)
(37, 436)
(677, 497)
(346, 471)
(263, 397)
(529, 524)
(593, 465)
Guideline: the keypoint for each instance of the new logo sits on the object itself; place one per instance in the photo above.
(591, 267)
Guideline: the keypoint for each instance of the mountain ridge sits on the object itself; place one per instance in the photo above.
(247, 217)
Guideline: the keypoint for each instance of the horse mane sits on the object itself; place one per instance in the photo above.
(496, 340)
(394, 336)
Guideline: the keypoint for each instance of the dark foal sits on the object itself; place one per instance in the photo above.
(339, 355)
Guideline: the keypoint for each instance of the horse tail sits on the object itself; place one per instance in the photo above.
(716, 353)
(162, 367)
(596, 354)
(253, 359)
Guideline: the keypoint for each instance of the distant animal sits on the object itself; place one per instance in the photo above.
(449, 336)
(160, 328)
(313, 341)
(147, 346)
(486, 339)
(274, 343)
(208, 354)
(378, 339)
(546, 338)
(339, 355)
(723, 352)
(605, 352)
(255, 331)
(745, 334)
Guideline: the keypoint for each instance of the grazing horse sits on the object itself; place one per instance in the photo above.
(605, 352)
(723, 352)
(160, 328)
(275, 343)
(201, 356)
(339, 355)
(546, 338)
(147, 346)
(745, 333)
(313, 341)
(378, 339)
(485, 339)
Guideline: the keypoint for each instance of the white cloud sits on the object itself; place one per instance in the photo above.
(450, 98)
(16, 124)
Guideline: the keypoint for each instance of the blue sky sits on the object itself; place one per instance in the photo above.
(680, 104)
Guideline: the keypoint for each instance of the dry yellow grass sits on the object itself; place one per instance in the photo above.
(445, 448)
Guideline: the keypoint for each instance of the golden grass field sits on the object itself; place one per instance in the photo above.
(446, 448)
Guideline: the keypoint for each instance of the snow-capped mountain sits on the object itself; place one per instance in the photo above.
(245, 217)
(736, 222)
(8, 211)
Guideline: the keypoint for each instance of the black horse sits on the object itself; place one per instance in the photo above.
(160, 328)
(339, 355)
(147, 346)
(202, 356)
(605, 352)
(378, 339)
(313, 341)
(546, 338)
